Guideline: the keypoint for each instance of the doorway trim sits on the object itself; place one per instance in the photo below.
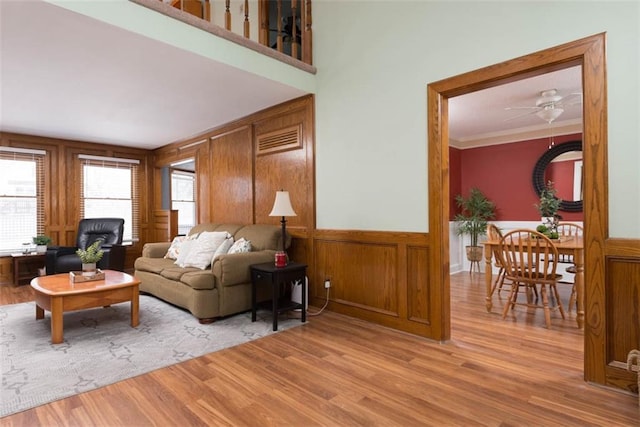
(588, 52)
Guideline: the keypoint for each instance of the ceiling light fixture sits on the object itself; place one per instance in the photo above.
(549, 113)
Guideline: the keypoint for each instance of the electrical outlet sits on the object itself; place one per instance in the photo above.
(327, 283)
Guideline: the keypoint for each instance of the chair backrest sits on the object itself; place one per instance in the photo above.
(528, 256)
(109, 230)
(569, 229)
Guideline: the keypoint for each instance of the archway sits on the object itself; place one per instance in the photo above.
(590, 53)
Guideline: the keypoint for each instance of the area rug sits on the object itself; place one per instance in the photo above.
(100, 347)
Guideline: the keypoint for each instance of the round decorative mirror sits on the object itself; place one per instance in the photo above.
(562, 165)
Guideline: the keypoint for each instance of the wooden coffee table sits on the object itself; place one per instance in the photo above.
(57, 294)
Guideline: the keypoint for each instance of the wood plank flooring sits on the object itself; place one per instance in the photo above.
(340, 371)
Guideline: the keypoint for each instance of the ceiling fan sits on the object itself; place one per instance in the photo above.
(549, 106)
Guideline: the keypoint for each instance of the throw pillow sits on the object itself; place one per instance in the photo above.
(174, 249)
(204, 248)
(223, 248)
(185, 249)
(239, 246)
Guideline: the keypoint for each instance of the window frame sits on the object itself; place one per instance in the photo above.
(133, 165)
(37, 156)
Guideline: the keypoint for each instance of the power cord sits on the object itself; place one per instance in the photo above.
(316, 313)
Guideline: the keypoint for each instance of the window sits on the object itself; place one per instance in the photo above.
(183, 199)
(21, 197)
(110, 189)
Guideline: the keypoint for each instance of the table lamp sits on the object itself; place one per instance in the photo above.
(282, 207)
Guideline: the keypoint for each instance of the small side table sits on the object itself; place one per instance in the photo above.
(269, 274)
(29, 260)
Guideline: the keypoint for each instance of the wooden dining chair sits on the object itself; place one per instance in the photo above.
(530, 259)
(495, 235)
(569, 229)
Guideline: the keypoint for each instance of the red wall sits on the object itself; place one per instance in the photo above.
(503, 173)
(455, 179)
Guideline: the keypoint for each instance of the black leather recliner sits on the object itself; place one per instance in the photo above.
(62, 259)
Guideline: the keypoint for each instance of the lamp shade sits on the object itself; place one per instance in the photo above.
(282, 205)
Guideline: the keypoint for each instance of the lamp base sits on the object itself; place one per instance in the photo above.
(281, 259)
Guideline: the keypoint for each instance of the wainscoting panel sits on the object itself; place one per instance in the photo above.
(418, 301)
(376, 276)
(363, 275)
(623, 318)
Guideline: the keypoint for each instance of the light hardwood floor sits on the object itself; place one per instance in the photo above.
(339, 371)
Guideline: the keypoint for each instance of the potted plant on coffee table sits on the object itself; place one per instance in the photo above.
(90, 257)
(41, 243)
(476, 210)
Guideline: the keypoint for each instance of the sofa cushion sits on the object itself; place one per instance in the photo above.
(229, 228)
(205, 246)
(153, 265)
(176, 273)
(199, 279)
(262, 236)
(207, 226)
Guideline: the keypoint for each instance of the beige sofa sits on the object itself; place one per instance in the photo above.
(220, 290)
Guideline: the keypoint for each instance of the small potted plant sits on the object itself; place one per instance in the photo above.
(548, 208)
(472, 220)
(90, 257)
(41, 243)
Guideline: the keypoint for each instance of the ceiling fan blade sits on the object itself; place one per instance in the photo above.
(521, 108)
(571, 99)
(535, 110)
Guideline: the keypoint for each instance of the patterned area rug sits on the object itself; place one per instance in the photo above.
(100, 347)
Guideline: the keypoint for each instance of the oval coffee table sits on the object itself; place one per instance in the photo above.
(58, 293)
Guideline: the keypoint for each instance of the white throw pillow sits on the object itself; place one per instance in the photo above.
(174, 249)
(223, 248)
(185, 249)
(205, 246)
(239, 246)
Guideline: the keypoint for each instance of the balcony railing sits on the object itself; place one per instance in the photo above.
(281, 25)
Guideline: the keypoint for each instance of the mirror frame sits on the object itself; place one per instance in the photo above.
(541, 166)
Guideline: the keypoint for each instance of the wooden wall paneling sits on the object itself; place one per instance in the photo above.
(231, 194)
(282, 170)
(363, 275)
(62, 180)
(376, 276)
(417, 294)
(165, 225)
(623, 310)
(203, 183)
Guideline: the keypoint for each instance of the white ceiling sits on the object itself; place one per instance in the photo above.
(65, 75)
(483, 114)
(68, 76)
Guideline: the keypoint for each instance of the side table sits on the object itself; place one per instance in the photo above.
(269, 274)
(29, 260)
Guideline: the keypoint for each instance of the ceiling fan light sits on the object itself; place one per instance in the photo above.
(549, 114)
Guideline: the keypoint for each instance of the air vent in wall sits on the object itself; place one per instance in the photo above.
(280, 140)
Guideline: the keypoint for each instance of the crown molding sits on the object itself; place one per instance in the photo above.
(566, 127)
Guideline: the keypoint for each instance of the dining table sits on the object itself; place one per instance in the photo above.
(566, 245)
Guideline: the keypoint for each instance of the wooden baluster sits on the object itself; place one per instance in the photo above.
(227, 16)
(294, 42)
(246, 18)
(279, 38)
(306, 36)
